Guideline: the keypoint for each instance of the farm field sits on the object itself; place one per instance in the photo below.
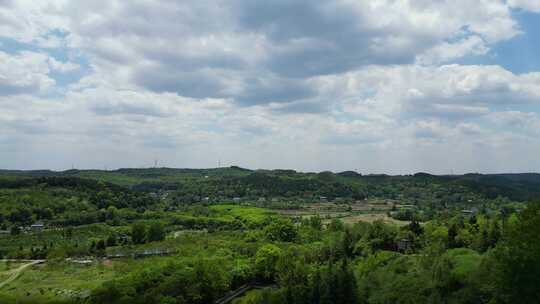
(364, 211)
(372, 217)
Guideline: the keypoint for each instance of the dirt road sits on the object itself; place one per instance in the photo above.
(15, 273)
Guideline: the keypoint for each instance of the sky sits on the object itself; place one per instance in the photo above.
(378, 86)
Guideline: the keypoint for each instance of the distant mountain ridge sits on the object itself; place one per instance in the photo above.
(171, 171)
(280, 182)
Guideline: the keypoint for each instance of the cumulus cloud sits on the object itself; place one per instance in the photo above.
(456, 91)
(446, 51)
(251, 51)
(25, 73)
(31, 21)
(530, 5)
(528, 121)
(62, 67)
(287, 83)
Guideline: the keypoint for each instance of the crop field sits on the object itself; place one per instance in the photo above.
(371, 217)
(360, 211)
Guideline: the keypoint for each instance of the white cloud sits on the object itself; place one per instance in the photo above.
(31, 21)
(217, 49)
(530, 5)
(287, 83)
(445, 52)
(62, 67)
(24, 73)
(449, 91)
(528, 121)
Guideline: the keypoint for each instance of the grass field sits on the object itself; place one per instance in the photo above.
(348, 217)
(53, 281)
(5, 266)
(252, 215)
(371, 217)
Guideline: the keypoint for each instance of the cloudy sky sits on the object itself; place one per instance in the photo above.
(378, 86)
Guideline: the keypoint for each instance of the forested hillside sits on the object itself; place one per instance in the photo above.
(429, 194)
(267, 236)
(241, 182)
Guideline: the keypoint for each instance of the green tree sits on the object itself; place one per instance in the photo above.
(266, 260)
(348, 243)
(329, 285)
(316, 287)
(15, 230)
(211, 281)
(347, 289)
(518, 278)
(68, 233)
(415, 227)
(315, 222)
(293, 276)
(442, 279)
(336, 225)
(138, 233)
(494, 234)
(111, 240)
(381, 236)
(281, 230)
(156, 232)
(100, 247)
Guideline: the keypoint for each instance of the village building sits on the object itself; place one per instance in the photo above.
(468, 213)
(38, 226)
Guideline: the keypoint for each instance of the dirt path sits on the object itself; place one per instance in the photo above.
(15, 273)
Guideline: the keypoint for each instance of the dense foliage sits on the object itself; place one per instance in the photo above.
(358, 264)
(166, 236)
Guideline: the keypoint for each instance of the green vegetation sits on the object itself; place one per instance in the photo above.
(195, 236)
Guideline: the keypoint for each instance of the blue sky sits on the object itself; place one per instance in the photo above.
(518, 54)
(392, 86)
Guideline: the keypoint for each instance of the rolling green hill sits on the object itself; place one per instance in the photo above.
(239, 182)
